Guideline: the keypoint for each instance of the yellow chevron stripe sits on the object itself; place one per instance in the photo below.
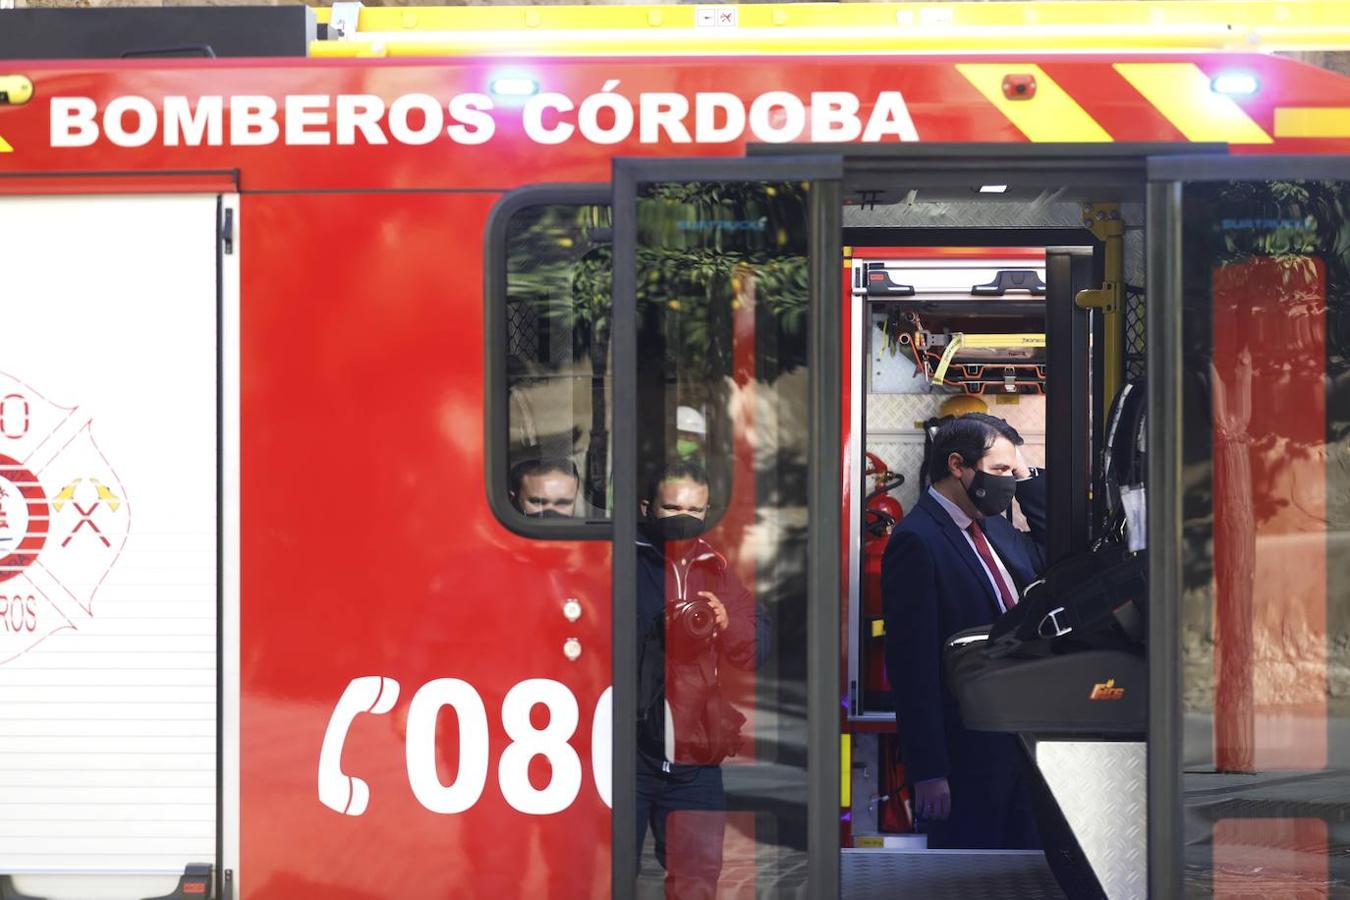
(1312, 122)
(1051, 115)
(5, 146)
(1181, 92)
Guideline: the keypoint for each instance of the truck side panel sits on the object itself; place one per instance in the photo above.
(369, 552)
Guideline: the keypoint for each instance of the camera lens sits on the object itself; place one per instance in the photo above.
(699, 620)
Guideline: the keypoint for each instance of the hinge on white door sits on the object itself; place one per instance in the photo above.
(227, 232)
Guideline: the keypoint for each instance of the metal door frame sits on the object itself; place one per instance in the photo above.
(824, 402)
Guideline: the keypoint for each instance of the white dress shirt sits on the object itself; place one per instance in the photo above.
(963, 523)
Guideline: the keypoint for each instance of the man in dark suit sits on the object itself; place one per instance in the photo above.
(955, 563)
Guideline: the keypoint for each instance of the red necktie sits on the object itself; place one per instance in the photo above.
(987, 554)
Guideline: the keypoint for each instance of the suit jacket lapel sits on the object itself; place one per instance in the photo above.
(961, 545)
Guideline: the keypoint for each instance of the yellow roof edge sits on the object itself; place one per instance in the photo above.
(505, 45)
(1238, 16)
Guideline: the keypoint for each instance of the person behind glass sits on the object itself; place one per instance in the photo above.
(691, 433)
(545, 488)
(694, 616)
(953, 563)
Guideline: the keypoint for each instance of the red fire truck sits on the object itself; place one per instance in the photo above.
(278, 338)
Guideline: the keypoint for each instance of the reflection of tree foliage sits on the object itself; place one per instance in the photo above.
(1313, 222)
(558, 286)
(701, 242)
(1294, 226)
(1265, 277)
(704, 251)
(696, 240)
(558, 263)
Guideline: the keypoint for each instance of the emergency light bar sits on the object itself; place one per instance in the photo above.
(1235, 84)
(514, 87)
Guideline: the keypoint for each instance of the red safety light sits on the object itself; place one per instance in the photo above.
(1019, 87)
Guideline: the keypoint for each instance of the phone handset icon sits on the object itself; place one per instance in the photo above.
(337, 790)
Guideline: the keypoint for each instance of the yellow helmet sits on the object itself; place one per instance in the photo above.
(961, 404)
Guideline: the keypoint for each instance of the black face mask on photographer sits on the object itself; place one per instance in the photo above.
(990, 494)
(662, 529)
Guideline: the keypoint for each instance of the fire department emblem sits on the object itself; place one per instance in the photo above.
(64, 518)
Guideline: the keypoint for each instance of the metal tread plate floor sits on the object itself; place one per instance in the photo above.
(947, 875)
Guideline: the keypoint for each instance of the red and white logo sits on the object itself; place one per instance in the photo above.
(64, 518)
(23, 518)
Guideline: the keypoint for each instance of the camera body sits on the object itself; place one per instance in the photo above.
(690, 624)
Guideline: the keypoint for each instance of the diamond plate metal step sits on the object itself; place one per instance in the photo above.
(946, 875)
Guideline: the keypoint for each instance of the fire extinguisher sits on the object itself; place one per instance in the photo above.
(895, 807)
(882, 513)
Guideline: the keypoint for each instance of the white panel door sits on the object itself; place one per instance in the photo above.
(109, 393)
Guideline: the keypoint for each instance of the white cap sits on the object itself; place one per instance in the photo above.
(689, 419)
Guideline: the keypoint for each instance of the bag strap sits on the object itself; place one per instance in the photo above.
(1096, 601)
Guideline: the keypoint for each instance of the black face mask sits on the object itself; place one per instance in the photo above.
(548, 514)
(672, 528)
(991, 494)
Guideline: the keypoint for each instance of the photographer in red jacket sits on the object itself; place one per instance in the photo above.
(694, 616)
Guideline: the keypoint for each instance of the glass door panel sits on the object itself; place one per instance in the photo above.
(720, 588)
